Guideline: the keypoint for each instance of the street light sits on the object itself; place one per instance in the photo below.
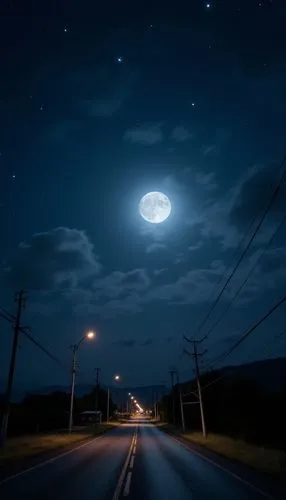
(89, 335)
(75, 347)
(117, 378)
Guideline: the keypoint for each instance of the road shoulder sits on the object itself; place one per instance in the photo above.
(273, 486)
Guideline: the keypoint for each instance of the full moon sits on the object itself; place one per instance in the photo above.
(155, 207)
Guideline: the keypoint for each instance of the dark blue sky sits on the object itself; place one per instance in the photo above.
(101, 104)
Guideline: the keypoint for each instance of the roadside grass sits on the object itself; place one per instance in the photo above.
(264, 459)
(267, 460)
(19, 448)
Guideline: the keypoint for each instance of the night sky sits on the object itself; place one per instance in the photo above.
(102, 102)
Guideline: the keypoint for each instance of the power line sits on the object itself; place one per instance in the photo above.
(8, 317)
(42, 348)
(257, 228)
(226, 270)
(251, 330)
(249, 274)
(212, 382)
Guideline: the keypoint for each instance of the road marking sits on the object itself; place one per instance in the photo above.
(49, 461)
(227, 471)
(127, 485)
(119, 485)
(132, 462)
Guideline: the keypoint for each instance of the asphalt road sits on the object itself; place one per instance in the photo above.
(136, 461)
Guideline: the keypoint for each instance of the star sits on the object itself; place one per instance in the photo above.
(119, 59)
(65, 29)
(193, 104)
(13, 176)
(208, 5)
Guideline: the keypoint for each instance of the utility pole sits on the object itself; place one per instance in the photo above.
(107, 409)
(195, 355)
(20, 299)
(74, 350)
(181, 404)
(172, 374)
(97, 388)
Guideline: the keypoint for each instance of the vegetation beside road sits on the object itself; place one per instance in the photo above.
(264, 459)
(261, 458)
(20, 448)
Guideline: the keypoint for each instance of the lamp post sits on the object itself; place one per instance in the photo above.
(117, 379)
(75, 347)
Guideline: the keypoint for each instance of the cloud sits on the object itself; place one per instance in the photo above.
(157, 272)
(145, 134)
(196, 246)
(228, 218)
(88, 304)
(56, 259)
(252, 194)
(210, 149)
(125, 343)
(155, 247)
(192, 288)
(181, 134)
(147, 342)
(168, 339)
(119, 283)
(206, 181)
(103, 107)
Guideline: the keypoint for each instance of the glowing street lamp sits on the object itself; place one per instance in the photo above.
(90, 335)
(117, 379)
(75, 347)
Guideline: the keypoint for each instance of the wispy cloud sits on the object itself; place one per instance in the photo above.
(148, 134)
(211, 149)
(181, 134)
(125, 343)
(147, 342)
(155, 247)
(207, 181)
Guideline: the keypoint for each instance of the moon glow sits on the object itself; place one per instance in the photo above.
(155, 207)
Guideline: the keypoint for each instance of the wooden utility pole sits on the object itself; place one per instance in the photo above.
(97, 388)
(172, 375)
(20, 299)
(181, 403)
(195, 355)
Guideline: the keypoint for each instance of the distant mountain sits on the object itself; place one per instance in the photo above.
(269, 374)
(145, 394)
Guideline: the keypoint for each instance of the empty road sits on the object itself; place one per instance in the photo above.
(135, 461)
